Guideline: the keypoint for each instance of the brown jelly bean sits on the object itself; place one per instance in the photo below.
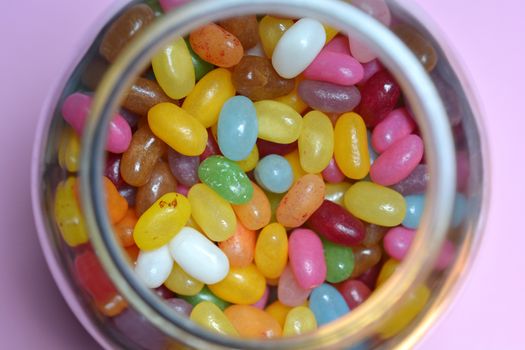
(420, 46)
(245, 28)
(160, 183)
(373, 235)
(365, 258)
(95, 70)
(143, 95)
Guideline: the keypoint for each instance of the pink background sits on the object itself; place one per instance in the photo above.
(38, 38)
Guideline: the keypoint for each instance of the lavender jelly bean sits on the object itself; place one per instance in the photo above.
(329, 98)
(415, 183)
(184, 168)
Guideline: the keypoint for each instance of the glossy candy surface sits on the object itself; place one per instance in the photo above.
(415, 204)
(143, 95)
(242, 285)
(396, 125)
(245, 28)
(414, 183)
(274, 174)
(160, 182)
(271, 29)
(420, 46)
(256, 213)
(180, 282)
(328, 97)
(334, 67)
(93, 278)
(278, 122)
(289, 292)
(397, 242)
(332, 173)
(68, 216)
(205, 294)
(351, 146)
(336, 192)
(316, 142)
(216, 45)
(271, 250)
(184, 168)
(339, 261)
(153, 267)
(116, 205)
(240, 248)
(354, 292)
(327, 304)
(306, 258)
(252, 322)
(210, 317)
(299, 320)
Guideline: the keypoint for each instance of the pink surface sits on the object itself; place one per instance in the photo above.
(38, 38)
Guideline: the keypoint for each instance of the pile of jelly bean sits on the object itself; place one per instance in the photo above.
(256, 176)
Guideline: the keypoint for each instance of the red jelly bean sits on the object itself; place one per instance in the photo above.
(112, 169)
(369, 277)
(212, 148)
(93, 278)
(354, 292)
(267, 147)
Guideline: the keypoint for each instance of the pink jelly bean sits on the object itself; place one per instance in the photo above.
(182, 189)
(446, 255)
(332, 173)
(397, 241)
(261, 303)
(397, 125)
(75, 111)
(338, 44)
(361, 51)
(375, 8)
(334, 67)
(307, 258)
(289, 292)
(398, 161)
(171, 4)
(369, 69)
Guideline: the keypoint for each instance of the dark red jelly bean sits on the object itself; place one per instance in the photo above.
(369, 277)
(354, 292)
(212, 148)
(267, 147)
(112, 169)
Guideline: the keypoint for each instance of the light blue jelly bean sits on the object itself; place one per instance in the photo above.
(237, 128)
(327, 304)
(415, 205)
(460, 210)
(274, 174)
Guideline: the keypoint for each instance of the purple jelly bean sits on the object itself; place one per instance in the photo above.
(397, 125)
(415, 183)
(135, 327)
(327, 97)
(332, 173)
(335, 68)
(307, 258)
(180, 306)
(184, 168)
(289, 292)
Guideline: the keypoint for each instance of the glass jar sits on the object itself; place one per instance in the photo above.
(448, 118)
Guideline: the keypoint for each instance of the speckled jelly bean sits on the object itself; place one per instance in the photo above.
(271, 250)
(351, 146)
(414, 210)
(316, 142)
(252, 322)
(199, 257)
(237, 128)
(210, 317)
(160, 182)
(289, 292)
(278, 122)
(200, 66)
(328, 97)
(205, 295)
(396, 125)
(327, 304)
(240, 248)
(274, 174)
(339, 261)
(306, 258)
(332, 174)
(298, 47)
(299, 320)
(216, 45)
(180, 282)
(184, 168)
(414, 183)
(245, 28)
(68, 215)
(336, 192)
(242, 285)
(271, 29)
(154, 266)
(334, 67)
(256, 213)
(354, 292)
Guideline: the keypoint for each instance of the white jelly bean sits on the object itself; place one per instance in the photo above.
(154, 266)
(298, 47)
(198, 256)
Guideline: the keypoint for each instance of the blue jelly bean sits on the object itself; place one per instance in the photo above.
(327, 304)
(274, 174)
(237, 128)
(460, 210)
(415, 204)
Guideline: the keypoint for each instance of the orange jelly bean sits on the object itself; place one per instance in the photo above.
(252, 322)
(113, 307)
(124, 228)
(116, 204)
(240, 247)
(257, 212)
(278, 311)
(216, 45)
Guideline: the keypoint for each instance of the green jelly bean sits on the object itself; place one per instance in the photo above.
(205, 295)
(201, 67)
(227, 179)
(339, 261)
(155, 6)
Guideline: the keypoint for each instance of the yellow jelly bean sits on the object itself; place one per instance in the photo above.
(351, 146)
(68, 215)
(174, 70)
(271, 29)
(330, 32)
(69, 150)
(205, 101)
(279, 311)
(275, 199)
(336, 192)
(249, 163)
(278, 122)
(271, 250)
(375, 204)
(181, 283)
(299, 320)
(242, 285)
(179, 129)
(157, 225)
(316, 142)
(388, 269)
(212, 213)
(295, 164)
(293, 99)
(209, 316)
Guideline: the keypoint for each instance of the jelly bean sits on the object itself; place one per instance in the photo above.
(261, 303)
(212, 213)
(335, 68)
(173, 69)
(206, 295)
(112, 169)
(245, 28)
(139, 160)
(316, 142)
(327, 304)
(200, 66)
(179, 129)
(330, 32)
(375, 204)
(75, 111)
(154, 267)
(180, 282)
(168, 5)
(123, 29)
(295, 164)
(298, 47)
(388, 269)
(227, 179)
(93, 278)
(124, 228)
(379, 96)
(370, 68)
(113, 307)
(369, 277)
(397, 242)
(374, 234)
(333, 222)
(205, 101)
(271, 250)
(250, 162)
(339, 261)
(68, 216)
(351, 146)
(306, 258)
(414, 183)
(414, 210)
(278, 311)
(255, 78)
(252, 322)
(299, 320)
(271, 29)
(257, 213)
(143, 95)
(328, 97)
(371, 152)
(274, 199)
(398, 161)
(305, 197)
(129, 193)
(180, 306)
(361, 51)
(216, 45)
(135, 327)
(274, 174)
(266, 148)
(375, 8)
(446, 255)
(293, 99)
(365, 258)
(418, 44)
(396, 125)
(332, 174)
(116, 205)
(132, 253)
(239, 248)
(278, 122)
(242, 285)
(160, 183)
(210, 317)
(237, 128)
(94, 72)
(200, 258)
(354, 292)
(336, 192)
(289, 292)
(184, 168)
(69, 151)
(157, 225)
(339, 44)
(163, 292)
